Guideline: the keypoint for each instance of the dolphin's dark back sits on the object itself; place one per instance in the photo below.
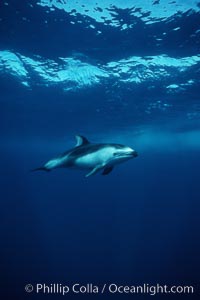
(85, 149)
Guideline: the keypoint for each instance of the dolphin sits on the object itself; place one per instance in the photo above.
(90, 156)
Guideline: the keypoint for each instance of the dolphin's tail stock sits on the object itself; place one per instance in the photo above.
(40, 169)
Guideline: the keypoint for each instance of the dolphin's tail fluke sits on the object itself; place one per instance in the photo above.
(41, 169)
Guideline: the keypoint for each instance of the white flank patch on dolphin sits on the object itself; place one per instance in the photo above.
(99, 157)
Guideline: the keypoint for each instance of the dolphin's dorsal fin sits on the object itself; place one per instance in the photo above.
(81, 140)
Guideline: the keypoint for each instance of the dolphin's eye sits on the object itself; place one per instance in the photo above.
(115, 154)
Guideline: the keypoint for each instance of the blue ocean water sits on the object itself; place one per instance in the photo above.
(121, 71)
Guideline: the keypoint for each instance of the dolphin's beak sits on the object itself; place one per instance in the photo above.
(135, 154)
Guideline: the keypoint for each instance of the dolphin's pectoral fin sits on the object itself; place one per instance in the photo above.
(94, 171)
(81, 140)
(107, 170)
